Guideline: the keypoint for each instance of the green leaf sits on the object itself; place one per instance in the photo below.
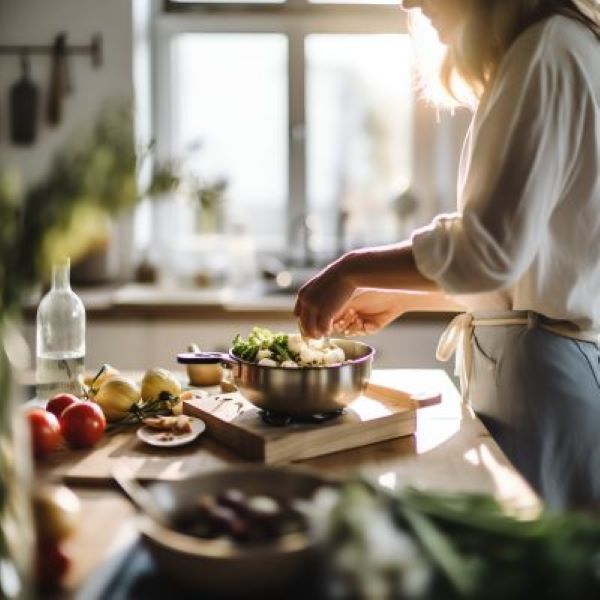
(461, 572)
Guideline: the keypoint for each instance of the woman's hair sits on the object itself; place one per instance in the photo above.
(490, 29)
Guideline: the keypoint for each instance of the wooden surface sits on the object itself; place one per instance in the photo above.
(233, 421)
(451, 451)
(93, 467)
(247, 439)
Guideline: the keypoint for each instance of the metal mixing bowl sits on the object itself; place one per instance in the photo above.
(300, 392)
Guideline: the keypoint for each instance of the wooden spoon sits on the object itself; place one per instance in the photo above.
(139, 495)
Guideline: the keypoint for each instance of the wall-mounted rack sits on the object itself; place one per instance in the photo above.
(93, 49)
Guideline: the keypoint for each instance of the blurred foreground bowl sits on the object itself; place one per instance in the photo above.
(223, 567)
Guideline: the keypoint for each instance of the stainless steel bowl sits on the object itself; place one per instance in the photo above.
(298, 392)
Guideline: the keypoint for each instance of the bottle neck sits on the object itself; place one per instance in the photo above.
(61, 276)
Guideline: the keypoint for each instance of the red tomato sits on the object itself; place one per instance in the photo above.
(82, 424)
(45, 431)
(51, 564)
(58, 403)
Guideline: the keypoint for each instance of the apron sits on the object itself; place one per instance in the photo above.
(535, 384)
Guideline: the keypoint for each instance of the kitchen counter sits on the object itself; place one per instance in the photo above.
(451, 451)
(145, 301)
(154, 323)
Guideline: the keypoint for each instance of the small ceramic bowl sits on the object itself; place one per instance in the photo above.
(205, 375)
(223, 567)
(201, 375)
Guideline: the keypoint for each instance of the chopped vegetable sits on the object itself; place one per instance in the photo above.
(270, 349)
(177, 425)
(259, 341)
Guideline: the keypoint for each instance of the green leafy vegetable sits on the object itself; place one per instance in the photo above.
(472, 548)
(261, 338)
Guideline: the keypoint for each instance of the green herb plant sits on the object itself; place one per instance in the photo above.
(91, 177)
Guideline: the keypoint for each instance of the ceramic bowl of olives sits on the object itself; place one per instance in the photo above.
(237, 531)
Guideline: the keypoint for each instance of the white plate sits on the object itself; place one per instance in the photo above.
(152, 436)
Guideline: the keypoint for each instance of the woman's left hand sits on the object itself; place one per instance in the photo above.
(320, 299)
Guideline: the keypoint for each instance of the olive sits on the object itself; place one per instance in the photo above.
(264, 507)
(234, 499)
(266, 513)
(226, 521)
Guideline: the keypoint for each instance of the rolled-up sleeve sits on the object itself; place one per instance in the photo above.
(524, 140)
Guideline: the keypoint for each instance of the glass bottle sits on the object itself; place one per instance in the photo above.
(60, 348)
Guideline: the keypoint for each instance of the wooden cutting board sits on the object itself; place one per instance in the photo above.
(233, 421)
(94, 466)
(376, 418)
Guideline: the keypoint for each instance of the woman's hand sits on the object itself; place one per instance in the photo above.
(321, 298)
(385, 267)
(369, 311)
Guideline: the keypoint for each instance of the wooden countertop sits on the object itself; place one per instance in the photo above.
(451, 451)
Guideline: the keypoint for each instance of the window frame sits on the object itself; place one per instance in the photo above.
(296, 19)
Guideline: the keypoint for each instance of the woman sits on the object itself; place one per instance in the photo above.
(522, 254)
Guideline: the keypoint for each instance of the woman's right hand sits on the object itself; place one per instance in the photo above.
(369, 311)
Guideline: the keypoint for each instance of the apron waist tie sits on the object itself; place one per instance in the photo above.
(457, 337)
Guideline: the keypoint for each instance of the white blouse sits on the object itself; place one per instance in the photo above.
(527, 232)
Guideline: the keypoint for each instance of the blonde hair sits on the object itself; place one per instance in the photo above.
(488, 32)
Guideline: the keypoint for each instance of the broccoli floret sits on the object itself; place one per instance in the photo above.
(261, 338)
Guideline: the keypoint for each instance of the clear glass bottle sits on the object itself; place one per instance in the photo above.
(60, 348)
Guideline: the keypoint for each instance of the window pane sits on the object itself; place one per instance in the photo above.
(359, 107)
(230, 96)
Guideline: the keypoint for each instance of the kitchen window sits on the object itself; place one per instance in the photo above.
(308, 110)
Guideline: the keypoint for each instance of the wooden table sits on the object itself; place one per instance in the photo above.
(452, 451)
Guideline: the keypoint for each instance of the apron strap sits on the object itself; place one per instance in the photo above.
(457, 337)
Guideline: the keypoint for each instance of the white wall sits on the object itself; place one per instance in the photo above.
(37, 22)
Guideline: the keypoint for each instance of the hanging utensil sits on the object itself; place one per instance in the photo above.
(59, 80)
(23, 105)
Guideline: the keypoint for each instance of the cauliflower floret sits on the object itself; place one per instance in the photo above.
(309, 356)
(334, 356)
(317, 344)
(289, 364)
(266, 353)
(268, 362)
(341, 354)
(295, 343)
